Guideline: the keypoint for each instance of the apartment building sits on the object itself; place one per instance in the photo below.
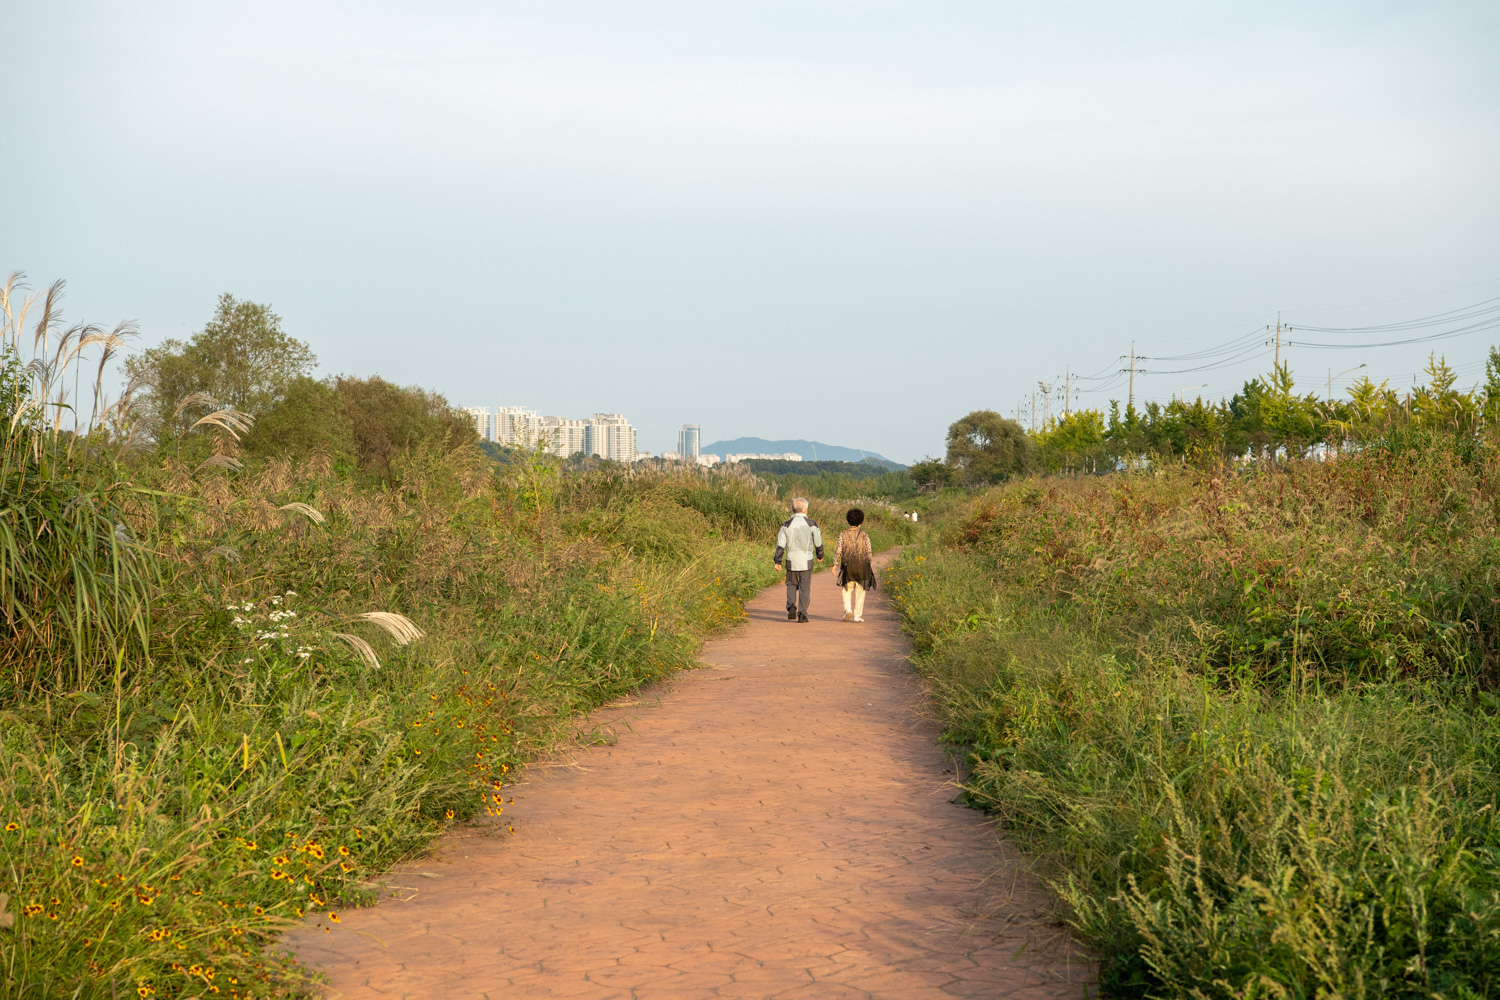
(565, 437)
(516, 427)
(606, 435)
(481, 417)
(688, 440)
(610, 436)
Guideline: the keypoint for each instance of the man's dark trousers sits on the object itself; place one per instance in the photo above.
(798, 589)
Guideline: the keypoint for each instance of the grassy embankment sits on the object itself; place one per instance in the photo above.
(169, 807)
(1244, 721)
(237, 684)
(220, 716)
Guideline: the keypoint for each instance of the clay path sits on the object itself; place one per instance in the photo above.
(778, 824)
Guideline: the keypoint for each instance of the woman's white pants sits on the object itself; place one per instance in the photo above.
(854, 598)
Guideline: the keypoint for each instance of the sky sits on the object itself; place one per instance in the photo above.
(849, 222)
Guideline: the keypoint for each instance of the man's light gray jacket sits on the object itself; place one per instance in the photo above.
(800, 541)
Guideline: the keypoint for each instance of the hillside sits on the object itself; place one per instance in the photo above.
(809, 450)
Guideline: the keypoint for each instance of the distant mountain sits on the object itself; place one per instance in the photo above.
(811, 451)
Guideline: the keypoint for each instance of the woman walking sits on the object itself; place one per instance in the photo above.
(853, 570)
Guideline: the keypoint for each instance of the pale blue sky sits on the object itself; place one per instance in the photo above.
(698, 212)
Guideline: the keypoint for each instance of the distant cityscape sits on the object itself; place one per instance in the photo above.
(604, 435)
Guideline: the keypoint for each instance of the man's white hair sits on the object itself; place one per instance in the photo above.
(799, 505)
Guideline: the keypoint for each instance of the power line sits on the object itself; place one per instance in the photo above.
(1255, 345)
(1409, 298)
(1255, 351)
(1488, 324)
(1484, 308)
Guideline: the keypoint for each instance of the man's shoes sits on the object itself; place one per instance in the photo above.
(791, 614)
(801, 618)
(848, 616)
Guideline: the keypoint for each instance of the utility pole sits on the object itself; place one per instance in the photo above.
(1033, 411)
(1132, 374)
(1067, 392)
(1278, 340)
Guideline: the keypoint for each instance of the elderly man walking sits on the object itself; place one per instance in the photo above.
(799, 541)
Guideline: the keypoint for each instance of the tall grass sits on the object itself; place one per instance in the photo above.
(1244, 721)
(73, 582)
(238, 687)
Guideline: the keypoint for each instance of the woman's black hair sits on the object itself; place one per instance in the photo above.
(855, 517)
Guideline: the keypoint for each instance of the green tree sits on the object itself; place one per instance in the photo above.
(1440, 407)
(367, 420)
(1491, 391)
(1126, 432)
(242, 358)
(1205, 428)
(1293, 422)
(1246, 416)
(988, 448)
(1165, 435)
(309, 418)
(384, 418)
(931, 472)
(1369, 412)
(1074, 442)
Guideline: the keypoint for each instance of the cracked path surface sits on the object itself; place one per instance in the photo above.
(778, 824)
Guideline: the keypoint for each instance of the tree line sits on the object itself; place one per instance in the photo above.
(244, 362)
(1268, 420)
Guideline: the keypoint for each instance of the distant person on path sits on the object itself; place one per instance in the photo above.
(853, 568)
(799, 541)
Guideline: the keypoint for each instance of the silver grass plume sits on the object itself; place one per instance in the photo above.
(399, 627)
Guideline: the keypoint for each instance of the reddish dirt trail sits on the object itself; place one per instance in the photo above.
(777, 824)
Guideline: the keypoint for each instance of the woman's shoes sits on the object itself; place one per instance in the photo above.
(848, 616)
(859, 619)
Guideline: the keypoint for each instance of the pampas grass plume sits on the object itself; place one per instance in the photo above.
(312, 514)
(364, 649)
(399, 627)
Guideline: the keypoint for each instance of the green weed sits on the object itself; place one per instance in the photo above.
(1243, 721)
(236, 688)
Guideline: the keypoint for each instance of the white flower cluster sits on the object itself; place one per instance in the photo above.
(267, 636)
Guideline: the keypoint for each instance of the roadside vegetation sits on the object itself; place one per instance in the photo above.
(835, 480)
(1242, 713)
(266, 635)
(1268, 419)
